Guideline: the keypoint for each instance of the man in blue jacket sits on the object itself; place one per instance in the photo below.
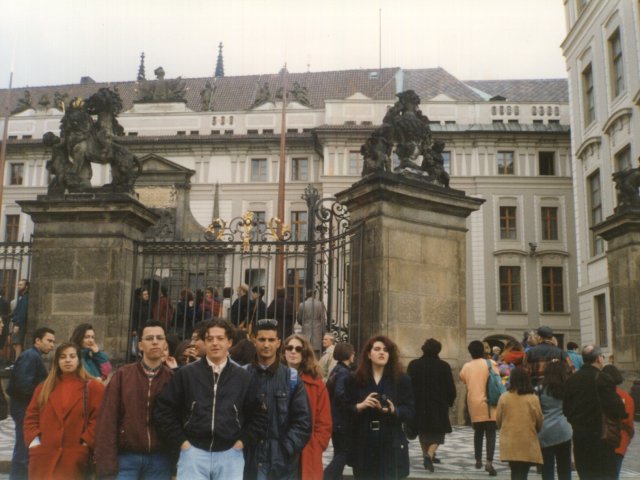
(27, 373)
(285, 399)
(210, 411)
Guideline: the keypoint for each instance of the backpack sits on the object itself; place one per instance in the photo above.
(495, 387)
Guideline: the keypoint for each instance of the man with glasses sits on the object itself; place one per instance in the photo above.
(127, 444)
(285, 400)
(211, 411)
(589, 394)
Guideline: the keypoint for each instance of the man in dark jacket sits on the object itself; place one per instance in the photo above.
(127, 443)
(344, 354)
(27, 373)
(210, 410)
(282, 309)
(540, 355)
(588, 394)
(288, 411)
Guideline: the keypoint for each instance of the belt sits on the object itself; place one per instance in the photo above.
(374, 425)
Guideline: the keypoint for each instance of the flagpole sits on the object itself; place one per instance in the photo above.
(281, 178)
(5, 134)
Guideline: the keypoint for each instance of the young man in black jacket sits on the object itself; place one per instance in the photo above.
(210, 410)
(284, 396)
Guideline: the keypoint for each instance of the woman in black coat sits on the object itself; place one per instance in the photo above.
(434, 393)
(379, 399)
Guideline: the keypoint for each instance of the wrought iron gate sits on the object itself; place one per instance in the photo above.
(248, 250)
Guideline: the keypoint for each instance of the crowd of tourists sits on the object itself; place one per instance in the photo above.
(230, 403)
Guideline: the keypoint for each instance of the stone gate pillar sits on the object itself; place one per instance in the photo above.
(622, 232)
(410, 283)
(82, 264)
(409, 267)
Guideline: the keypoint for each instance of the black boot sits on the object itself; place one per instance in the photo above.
(428, 463)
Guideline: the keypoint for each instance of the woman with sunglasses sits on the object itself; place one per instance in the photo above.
(380, 398)
(298, 354)
(59, 427)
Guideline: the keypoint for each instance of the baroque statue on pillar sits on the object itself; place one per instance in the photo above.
(405, 133)
(627, 183)
(83, 141)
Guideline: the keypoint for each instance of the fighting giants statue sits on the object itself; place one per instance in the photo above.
(405, 127)
(627, 183)
(84, 140)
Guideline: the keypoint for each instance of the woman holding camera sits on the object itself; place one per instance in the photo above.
(380, 398)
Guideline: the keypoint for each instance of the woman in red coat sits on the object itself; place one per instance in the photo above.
(298, 354)
(59, 426)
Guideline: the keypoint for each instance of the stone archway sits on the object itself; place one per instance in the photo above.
(499, 339)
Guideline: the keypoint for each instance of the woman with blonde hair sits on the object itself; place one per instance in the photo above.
(59, 426)
(298, 354)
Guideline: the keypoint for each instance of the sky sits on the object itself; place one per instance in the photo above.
(53, 42)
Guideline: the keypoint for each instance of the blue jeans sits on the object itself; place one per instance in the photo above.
(20, 460)
(197, 464)
(147, 466)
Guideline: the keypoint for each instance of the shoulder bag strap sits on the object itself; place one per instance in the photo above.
(85, 413)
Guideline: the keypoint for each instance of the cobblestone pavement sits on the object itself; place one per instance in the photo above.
(456, 455)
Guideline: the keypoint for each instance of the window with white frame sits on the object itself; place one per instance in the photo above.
(595, 210)
(299, 169)
(355, 162)
(508, 230)
(552, 289)
(258, 169)
(616, 66)
(549, 217)
(16, 173)
(588, 98)
(510, 289)
(504, 160)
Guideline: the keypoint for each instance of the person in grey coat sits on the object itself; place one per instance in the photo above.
(312, 315)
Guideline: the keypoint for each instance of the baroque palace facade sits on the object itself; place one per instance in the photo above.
(602, 54)
(507, 142)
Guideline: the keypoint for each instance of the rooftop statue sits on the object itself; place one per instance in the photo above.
(627, 183)
(405, 132)
(161, 90)
(84, 140)
(300, 94)
(262, 96)
(24, 103)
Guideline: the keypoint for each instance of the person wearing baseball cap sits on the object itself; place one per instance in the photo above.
(544, 352)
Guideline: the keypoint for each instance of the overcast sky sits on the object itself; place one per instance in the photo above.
(58, 41)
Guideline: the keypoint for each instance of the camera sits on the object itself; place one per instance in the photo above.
(382, 398)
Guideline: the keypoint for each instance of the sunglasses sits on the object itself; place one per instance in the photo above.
(291, 348)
